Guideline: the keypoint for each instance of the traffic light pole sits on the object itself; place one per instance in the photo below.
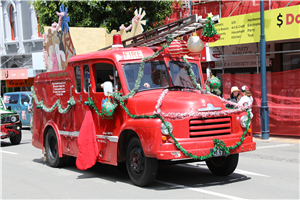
(264, 109)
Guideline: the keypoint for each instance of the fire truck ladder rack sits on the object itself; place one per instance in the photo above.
(158, 36)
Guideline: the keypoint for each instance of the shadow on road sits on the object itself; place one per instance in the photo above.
(7, 143)
(195, 176)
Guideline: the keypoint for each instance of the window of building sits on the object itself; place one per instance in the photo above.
(12, 22)
(291, 60)
(77, 73)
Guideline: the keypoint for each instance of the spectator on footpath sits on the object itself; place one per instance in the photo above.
(234, 96)
(247, 99)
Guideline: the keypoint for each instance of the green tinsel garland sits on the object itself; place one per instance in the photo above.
(40, 104)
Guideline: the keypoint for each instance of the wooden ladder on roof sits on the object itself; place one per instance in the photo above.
(159, 35)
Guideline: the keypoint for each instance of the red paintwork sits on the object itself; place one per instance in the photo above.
(148, 130)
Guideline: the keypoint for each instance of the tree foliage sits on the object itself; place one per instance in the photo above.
(106, 14)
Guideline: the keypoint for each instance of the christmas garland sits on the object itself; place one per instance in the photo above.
(40, 104)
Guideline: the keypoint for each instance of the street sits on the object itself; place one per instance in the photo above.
(270, 172)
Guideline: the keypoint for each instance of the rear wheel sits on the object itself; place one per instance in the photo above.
(52, 150)
(16, 139)
(141, 169)
(223, 166)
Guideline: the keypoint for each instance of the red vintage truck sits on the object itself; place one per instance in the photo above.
(185, 124)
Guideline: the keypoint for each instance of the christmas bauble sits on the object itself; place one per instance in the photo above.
(184, 48)
(195, 44)
(108, 108)
(214, 83)
(174, 48)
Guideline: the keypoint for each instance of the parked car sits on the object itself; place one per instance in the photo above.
(11, 124)
(18, 101)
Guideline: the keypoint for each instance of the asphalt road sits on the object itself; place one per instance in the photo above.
(270, 172)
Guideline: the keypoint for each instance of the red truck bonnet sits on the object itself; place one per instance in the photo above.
(174, 101)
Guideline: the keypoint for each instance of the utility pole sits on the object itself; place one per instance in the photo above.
(264, 109)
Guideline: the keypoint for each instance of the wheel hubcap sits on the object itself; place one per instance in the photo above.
(53, 147)
(137, 159)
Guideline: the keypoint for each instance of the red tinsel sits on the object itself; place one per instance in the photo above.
(5, 130)
(210, 39)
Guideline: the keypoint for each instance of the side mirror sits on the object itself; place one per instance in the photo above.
(208, 73)
(25, 104)
(107, 88)
(8, 107)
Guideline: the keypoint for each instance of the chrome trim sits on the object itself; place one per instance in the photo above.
(110, 138)
(68, 133)
(209, 107)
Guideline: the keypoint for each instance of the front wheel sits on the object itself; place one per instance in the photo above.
(223, 166)
(52, 150)
(16, 139)
(141, 169)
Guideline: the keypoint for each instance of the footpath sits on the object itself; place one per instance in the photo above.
(282, 139)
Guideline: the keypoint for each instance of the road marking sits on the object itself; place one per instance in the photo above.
(275, 146)
(201, 190)
(8, 152)
(249, 173)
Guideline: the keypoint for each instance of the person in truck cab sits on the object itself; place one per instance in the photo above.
(247, 99)
(234, 96)
(111, 77)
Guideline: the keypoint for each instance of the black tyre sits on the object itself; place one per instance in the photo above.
(223, 166)
(16, 139)
(141, 169)
(52, 150)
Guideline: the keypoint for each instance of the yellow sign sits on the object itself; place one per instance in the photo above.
(280, 24)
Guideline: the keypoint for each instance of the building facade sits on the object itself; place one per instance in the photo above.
(21, 46)
(241, 55)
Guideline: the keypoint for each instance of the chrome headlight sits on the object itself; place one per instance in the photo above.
(13, 119)
(243, 121)
(164, 129)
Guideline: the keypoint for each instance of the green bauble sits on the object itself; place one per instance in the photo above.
(108, 108)
(214, 83)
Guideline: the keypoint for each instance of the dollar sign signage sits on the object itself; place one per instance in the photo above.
(280, 20)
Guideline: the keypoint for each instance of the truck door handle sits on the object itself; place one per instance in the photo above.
(71, 90)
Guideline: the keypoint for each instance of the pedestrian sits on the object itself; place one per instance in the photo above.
(246, 99)
(234, 96)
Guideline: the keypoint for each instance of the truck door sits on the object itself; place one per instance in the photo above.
(106, 127)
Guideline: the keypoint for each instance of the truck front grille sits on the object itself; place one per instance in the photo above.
(210, 127)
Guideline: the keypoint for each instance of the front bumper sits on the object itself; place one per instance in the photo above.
(10, 130)
(169, 151)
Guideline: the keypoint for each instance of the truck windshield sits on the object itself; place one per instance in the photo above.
(155, 75)
(180, 76)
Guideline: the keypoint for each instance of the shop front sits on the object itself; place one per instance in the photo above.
(13, 80)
